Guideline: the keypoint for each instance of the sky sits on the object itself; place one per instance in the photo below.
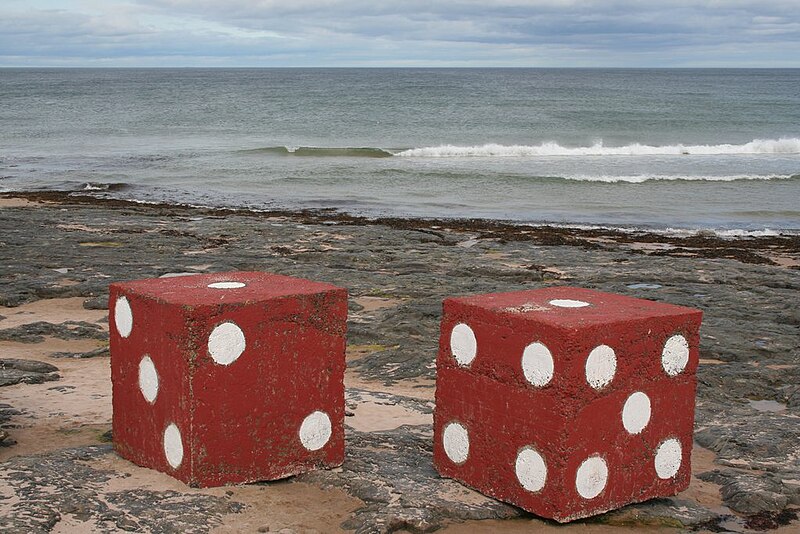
(415, 33)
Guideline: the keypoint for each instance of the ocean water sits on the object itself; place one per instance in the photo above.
(680, 149)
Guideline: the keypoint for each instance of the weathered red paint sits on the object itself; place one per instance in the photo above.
(239, 422)
(566, 421)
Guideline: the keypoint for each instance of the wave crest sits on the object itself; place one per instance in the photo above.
(788, 145)
(323, 152)
(642, 178)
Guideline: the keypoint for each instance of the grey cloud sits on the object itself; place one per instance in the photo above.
(458, 32)
(520, 22)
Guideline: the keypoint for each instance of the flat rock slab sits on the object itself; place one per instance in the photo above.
(36, 332)
(16, 371)
(38, 492)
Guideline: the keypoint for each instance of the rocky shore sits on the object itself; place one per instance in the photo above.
(58, 254)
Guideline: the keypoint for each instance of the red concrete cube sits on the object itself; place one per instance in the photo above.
(230, 377)
(566, 402)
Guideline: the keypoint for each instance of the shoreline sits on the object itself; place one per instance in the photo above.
(781, 249)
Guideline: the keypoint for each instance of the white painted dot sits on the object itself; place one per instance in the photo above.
(636, 412)
(148, 379)
(675, 355)
(668, 458)
(173, 446)
(463, 344)
(456, 442)
(569, 303)
(226, 343)
(537, 364)
(531, 469)
(591, 477)
(601, 365)
(123, 317)
(315, 431)
(226, 285)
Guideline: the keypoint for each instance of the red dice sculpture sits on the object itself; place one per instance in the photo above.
(566, 402)
(230, 377)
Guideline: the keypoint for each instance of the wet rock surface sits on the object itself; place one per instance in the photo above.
(65, 484)
(392, 472)
(6, 412)
(15, 371)
(36, 332)
(397, 273)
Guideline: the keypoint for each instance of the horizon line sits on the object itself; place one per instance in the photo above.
(396, 67)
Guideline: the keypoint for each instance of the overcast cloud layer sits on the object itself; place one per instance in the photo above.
(537, 33)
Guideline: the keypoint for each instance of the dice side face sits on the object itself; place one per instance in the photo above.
(511, 348)
(613, 398)
(641, 425)
(277, 408)
(497, 395)
(505, 442)
(151, 409)
(565, 357)
(654, 462)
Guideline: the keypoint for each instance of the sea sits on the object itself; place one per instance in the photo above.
(665, 150)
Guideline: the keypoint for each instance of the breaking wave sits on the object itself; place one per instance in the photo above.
(757, 146)
(641, 178)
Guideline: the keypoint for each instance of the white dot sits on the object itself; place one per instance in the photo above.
(636, 412)
(123, 317)
(456, 442)
(463, 344)
(226, 285)
(675, 355)
(173, 446)
(531, 469)
(601, 365)
(668, 458)
(591, 477)
(226, 343)
(537, 364)
(569, 303)
(148, 379)
(315, 431)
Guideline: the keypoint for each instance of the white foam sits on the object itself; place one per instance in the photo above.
(642, 178)
(784, 145)
(670, 231)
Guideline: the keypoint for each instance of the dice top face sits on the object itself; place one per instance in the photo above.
(570, 307)
(217, 288)
(566, 418)
(217, 390)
